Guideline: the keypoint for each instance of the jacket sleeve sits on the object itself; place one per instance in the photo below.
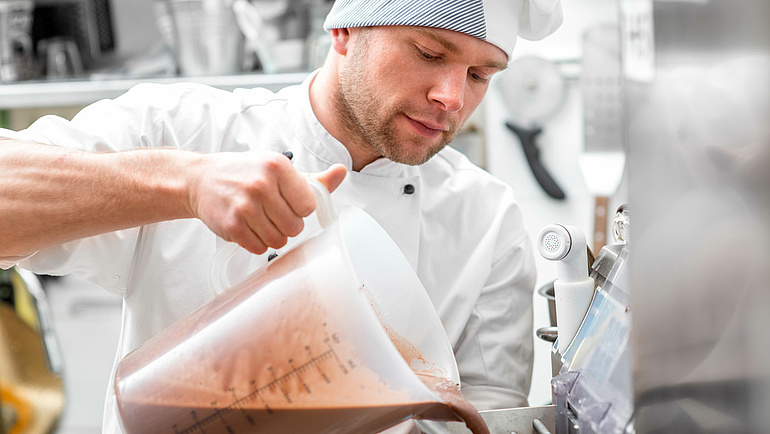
(109, 125)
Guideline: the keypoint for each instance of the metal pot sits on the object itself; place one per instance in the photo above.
(548, 292)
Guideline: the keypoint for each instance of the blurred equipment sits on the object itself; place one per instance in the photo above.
(31, 392)
(61, 57)
(593, 391)
(86, 22)
(277, 31)
(318, 41)
(16, 49)
(259, 36)
(603, 160)
(533, 90)
(697, 93)
(202, 34)
(215, 37)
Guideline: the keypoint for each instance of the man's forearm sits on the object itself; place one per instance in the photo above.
(51, 195)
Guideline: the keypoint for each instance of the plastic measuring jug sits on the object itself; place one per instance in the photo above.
(327, 337)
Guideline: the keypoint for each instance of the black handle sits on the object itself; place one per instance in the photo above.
(527, 138)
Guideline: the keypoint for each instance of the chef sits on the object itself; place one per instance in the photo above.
(137, 193)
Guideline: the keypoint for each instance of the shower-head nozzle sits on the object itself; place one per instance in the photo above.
(554, 242)
(566, 244)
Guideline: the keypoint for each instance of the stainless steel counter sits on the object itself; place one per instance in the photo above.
(514, 420)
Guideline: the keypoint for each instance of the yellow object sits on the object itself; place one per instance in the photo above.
(32, 398)
(16, 411)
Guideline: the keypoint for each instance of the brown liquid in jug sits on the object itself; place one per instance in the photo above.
(305, 379)
(245, 417)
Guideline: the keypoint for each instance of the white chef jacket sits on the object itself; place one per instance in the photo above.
(461, 229)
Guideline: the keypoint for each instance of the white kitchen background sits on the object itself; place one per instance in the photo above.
(87, 319)
(561, 145)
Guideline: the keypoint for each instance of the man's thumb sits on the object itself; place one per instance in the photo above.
(332, 177)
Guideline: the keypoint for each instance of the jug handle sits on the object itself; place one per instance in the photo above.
(324, 212)
(324, 209)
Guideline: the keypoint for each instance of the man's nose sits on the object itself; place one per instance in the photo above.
(449, 91)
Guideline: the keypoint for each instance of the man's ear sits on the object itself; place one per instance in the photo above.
(340, 40)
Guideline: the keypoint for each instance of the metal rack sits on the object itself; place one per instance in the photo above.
(84, 92)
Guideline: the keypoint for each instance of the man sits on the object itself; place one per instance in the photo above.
(196, 163)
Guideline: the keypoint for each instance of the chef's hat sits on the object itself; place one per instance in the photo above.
(498, 22)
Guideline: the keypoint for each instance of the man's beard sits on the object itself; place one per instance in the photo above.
(367, 119)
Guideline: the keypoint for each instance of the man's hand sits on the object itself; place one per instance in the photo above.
(256, 199)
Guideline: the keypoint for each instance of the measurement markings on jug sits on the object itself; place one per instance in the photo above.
(222, 418)
(317, 366)
(256, 392)
(237, 402)
(277, 384)
(299, 374)
(313, 364)
(336, 340)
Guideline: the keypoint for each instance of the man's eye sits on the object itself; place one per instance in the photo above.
(428, 55)
(478, 77)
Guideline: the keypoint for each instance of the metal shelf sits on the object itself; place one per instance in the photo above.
(84, 92)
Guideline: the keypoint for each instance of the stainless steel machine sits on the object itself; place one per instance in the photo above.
(696, 78)
(697, 98)
(678, 344)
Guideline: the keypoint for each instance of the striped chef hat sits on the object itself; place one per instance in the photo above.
(498, 22)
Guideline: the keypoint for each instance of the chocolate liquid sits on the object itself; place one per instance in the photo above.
(452, 399)
(274, 361)
(447, 391)
(245, 417)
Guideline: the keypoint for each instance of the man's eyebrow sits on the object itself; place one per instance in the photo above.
(453, 48)
(497, 65)
(447, 44)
